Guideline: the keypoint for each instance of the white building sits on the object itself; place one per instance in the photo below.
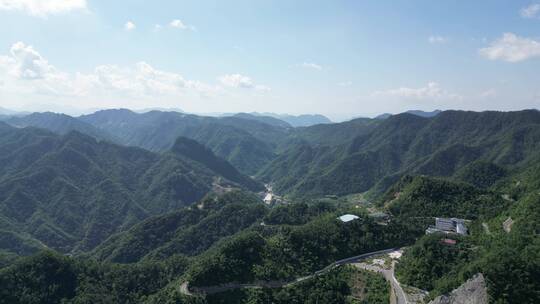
(348, 217)
(448, 225)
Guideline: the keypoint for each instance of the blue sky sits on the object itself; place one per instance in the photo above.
(338, 58)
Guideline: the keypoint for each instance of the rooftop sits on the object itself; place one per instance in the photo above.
(348, 217)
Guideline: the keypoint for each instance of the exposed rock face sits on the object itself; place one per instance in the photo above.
(471, 292)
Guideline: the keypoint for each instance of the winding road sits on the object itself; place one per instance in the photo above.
(388, 274)
(401, 297)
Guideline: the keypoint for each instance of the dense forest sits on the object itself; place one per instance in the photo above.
(122, 207)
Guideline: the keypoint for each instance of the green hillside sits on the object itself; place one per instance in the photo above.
(71, 192)
(189, 231)
(247, 144)
(406, 144)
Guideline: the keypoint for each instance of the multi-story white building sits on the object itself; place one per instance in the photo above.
(448, 225)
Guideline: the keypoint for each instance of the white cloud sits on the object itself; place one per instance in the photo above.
(42, 8)
(511, 48)
(178, 24)
(311, 65)
(26, 63)
(531, 11)
(237, 81)
(25, 70)
(241, 81)
(437, 39)
(129, 26)
(431, 91)
(345, 84)
(157, 27)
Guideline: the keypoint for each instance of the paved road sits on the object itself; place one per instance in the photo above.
(185, 289)
(388, 274)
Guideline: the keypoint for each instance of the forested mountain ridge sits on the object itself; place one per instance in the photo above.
(71, 192)
(348, 157)
(187, 231)
(58, 123)
(245, 143)
(265, 119)
(406, 143)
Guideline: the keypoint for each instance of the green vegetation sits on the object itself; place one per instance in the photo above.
(405, 144)
(344, 285)
(51, 278)
(136, 223)
(297, 214)
(510, 261)
(293, 251)
(58, 123)
(431, 259)
(482, 174)
(71, 192)
(422, 196)
(189, 231)
(246, 143)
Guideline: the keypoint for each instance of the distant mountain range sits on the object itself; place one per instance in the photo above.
(57, 123)
(414, 112)
(247, 144)
(304, 120)
(342, 158)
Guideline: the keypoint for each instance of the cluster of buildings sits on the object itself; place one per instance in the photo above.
(448, 225)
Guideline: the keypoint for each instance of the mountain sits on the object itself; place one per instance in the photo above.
(405, 143)
(192, 150)
(330, 134)
(422, 196)
(304, 120)
(414, 112)
(247, 144)
(71, 192)
(188, 231)
(264, 119)
(383, 116)
(160, 109)
(424, 113)
(57, 123)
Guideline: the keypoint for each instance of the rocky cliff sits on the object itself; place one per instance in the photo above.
(471, 292)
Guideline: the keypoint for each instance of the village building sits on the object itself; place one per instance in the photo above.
(448, 225)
